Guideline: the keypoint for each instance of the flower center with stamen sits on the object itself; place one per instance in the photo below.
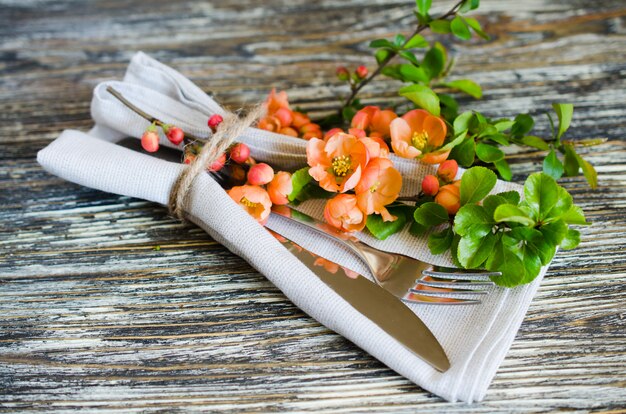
(419, 139)
(374, 188)
(341, 165)
(248, 203)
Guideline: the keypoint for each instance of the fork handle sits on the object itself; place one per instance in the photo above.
(377, 261)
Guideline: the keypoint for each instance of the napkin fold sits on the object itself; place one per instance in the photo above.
(475, 338)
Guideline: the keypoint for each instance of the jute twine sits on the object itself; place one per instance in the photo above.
(227, 132)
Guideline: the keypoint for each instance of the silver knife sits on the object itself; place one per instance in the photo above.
(376, 304)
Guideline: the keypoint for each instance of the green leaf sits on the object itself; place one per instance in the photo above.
(512, 214)
(423, 6)
(491, 202)
(554, 232)
(440, 26)
(473, 220)
(464, 152)
(571, 239)
(413, 73)
(575, 215)
(503, 169)
(523, 124)
(535, 240)
(552, 165)
(503, 125)
(393, 71)
(382, 55)
(564, 112)
(383, 229)
(474, 250)
(536, 142)
(384, 43)
(449, 106)
(570, 161)
(423, 97)
(467, 86)
(433, 62)
(590, 173)
(410, 56)
(563, 204)
(488, 153)
(541, 194)
(417, 229)
(348, 113)
(510, 265)
(512, 197)
(462, 122)
(475, 25)
(499, 138)
(476, 183)
(299, 179)
(441, 241)
(460, 29)
(416, 41)
(469, 5)
(430, 214)
(399, 40)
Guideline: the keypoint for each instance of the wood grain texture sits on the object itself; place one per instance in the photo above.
(93, 317)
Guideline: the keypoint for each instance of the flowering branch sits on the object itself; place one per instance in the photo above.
(421, 27)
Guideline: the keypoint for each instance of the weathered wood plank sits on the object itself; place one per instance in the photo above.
(92, 317)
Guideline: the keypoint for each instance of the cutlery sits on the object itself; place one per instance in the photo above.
(376, 304)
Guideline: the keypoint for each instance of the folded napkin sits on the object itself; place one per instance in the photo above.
(475, 338)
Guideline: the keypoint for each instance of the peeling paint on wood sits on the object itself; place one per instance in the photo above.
(93, 317)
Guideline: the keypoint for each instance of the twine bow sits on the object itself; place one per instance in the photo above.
(229, 129)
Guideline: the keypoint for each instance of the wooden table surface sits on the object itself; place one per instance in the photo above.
(92, 316)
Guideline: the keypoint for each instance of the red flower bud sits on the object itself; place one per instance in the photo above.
(150, 141)
(218, 164)
(284, 116)
(447, 170)
(240, 153)
(175, 135)
(342, 73)
(299, 119)
(214, 121)
(430, 185)
(260, 174)
(288, 131)
(361, 72)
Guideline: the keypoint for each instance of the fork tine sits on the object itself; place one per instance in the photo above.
(438, 300)
(460, 283)
(472, 287)
(460, 273)
(439, 291)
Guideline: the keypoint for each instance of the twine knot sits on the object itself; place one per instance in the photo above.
(229, 129)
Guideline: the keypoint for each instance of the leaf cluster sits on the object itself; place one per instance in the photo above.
(501, 233)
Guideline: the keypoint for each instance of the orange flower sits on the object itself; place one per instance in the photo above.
(254, 200)
(379, 186)
(338, 163)
(419, 134)
(343, 213)
(276, 101)
(374, 120)
(280, 187)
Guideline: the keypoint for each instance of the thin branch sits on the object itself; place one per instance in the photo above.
(392, 55)
(148, 117)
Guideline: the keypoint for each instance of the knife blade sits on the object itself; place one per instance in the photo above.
(375, 303)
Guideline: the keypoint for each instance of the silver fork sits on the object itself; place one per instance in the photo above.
(406, 278)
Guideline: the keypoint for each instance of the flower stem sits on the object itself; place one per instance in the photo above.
(188, 136)
(393, 54)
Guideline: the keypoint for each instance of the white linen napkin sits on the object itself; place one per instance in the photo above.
(475, 338)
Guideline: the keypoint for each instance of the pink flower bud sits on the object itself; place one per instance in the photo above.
(150, 141)
(218, 164)
(214, 121)
(447, 170)
(430, 185)
(342, 73)
(332, 132)
(240, 153)
(260, 174)
(284, 116)
(175, 135)
(359, 133)
(449, 196)
(361, 72)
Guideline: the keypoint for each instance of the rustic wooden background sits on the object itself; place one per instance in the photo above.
(93, 316)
